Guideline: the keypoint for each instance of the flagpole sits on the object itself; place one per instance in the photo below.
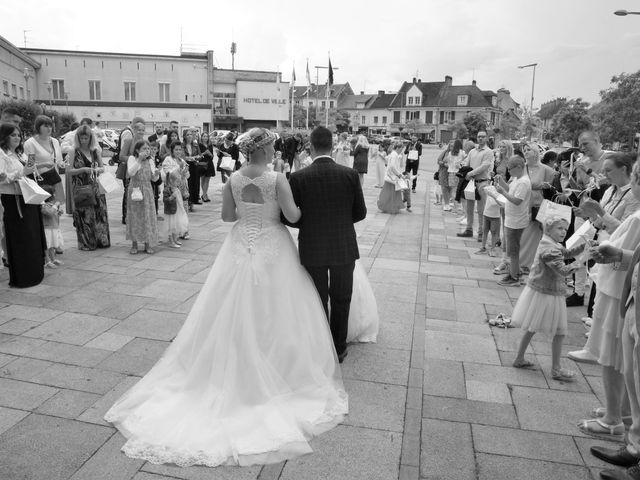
(278, 90)
(308, 87)
(329, 79)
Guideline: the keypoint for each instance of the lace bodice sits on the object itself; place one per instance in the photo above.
(255, 219)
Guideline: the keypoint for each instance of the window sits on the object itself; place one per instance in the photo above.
(94, 90)
(375, 120)
(493, 117)
(14, 90)
(330, 103)
(324, 104)
(384, 120)
(407, 116)
(410, 100)
(494, 101)
(441, 118)
(129, 91)
(452, 116)
(164, 92)
(428, 117)
(418, 100)
(310, 103)
(5, 87)
(224, 103)
(57, 89)
(396, 117)
(463, 100)
(364, 120)
(415, 115)
(22, 93)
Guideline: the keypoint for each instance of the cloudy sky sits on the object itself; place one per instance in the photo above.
(376, 45)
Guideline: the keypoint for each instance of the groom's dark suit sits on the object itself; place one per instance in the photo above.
(330, 198)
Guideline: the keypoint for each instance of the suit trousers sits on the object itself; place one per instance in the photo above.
(412, 166)
(335, 282)
(194, 183)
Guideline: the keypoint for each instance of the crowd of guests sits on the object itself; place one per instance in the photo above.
(516, 193)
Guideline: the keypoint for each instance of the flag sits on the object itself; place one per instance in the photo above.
(330, 73)
(278, 80)
(293, 77)
(308, 75)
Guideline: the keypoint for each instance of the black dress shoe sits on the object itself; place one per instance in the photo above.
(466, 233)
(197, 203)
(342, 356)
(620, 457)
(575, 300)
(632, 473)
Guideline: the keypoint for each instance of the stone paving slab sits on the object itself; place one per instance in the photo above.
(498, 467)
(447, 450)
(460, 347)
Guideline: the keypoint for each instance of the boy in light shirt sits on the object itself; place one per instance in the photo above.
(516, 214)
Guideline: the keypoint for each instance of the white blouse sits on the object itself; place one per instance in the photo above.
(11, 168)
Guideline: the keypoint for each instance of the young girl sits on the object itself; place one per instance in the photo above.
(51, 219)
(176, 217)
(490, 223)
(437, 189)
(175, 162)
(278, 163)
(541, 306)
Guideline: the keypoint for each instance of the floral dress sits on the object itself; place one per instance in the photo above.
(142, 223)
(92, 222)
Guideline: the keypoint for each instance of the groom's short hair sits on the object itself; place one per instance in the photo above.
(321, 139)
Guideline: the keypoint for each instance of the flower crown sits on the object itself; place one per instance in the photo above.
(254, 139)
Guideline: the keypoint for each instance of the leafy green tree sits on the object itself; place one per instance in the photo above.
(459, 129)
(475, 122)
(570, 120)
(617, 116)
(28, 111)
(509, 126)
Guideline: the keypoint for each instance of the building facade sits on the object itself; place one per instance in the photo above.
(114, 87)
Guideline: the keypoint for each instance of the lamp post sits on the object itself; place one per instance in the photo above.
(624, 13)
(533, 83)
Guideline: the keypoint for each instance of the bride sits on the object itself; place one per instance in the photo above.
(253, 374)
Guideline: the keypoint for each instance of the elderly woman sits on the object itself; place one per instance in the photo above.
(390, 199)
(90, 215)
(23, 225)
(541, 177)
(616, 216)
(48, 155)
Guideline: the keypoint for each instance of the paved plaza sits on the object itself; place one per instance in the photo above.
(435, 398)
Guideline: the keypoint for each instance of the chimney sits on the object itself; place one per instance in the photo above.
(414, 79)
(380, 92)
(473, 82)
(361, 92)
(419, 80)
(448, 80)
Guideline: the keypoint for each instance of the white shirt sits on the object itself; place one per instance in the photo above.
(517, 216)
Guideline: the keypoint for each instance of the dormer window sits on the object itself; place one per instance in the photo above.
(494, 101)
(463, 100)
(418, 100)
(410, 100)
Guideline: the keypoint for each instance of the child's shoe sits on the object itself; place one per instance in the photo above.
(563, 374)
(50, 265)
(58, 262)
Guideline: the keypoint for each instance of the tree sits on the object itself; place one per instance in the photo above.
(27, 110)
(340, 120)
(459, 130)
(475, 122)
(617, 116)
(509, 125)
(570, 120)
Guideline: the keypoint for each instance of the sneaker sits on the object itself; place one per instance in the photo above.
(409, 209)
(509, 281)
(50, 265)
(524, 270)
(436, 203)
(446, 208)
(492, 252)
(501, 269)
(582, 356)
(482, 251)
(466, 234)
(575, 300)
(58, 262)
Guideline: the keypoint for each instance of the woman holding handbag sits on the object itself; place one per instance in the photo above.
(206, 167)
(192, 157)
(390, 199)
(48, 155)
(90, 215)
(24, 230)
(142, 223)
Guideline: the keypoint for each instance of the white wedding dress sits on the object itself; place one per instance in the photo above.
(253, 374)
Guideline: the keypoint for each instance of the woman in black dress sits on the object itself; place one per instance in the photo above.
(206, 167)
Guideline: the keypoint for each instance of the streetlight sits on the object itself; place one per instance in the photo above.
(533, 82)
(624, 13)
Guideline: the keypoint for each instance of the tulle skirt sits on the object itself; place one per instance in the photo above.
(251, 376)
(363, 313)
(390, 199)
(177, 223)
(540, 313)
(605, 339)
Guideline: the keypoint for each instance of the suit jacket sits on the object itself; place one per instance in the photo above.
(290, 148)
(331, 200)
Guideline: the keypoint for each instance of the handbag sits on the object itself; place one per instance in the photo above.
(136, 194)
(170, 202)
(107, 182)
(470, 190)
(121, 171)
(549, 209)
(228, 163)
(50, 177)
(402, 184)
(32, 193)
(84, 195)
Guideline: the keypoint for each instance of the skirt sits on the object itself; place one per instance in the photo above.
(390, 200)
(605, 339)
(540, 312)
(54, 239)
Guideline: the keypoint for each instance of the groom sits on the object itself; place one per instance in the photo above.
(330, 198)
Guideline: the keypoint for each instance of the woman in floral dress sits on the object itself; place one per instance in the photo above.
(142, 224)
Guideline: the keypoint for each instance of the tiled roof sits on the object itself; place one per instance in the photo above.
(383, 101)
(351, 101)
(430, 92)
(449, 96)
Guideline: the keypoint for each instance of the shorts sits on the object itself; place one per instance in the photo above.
(513, 236)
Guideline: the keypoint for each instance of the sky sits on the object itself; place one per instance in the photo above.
(374, 45)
